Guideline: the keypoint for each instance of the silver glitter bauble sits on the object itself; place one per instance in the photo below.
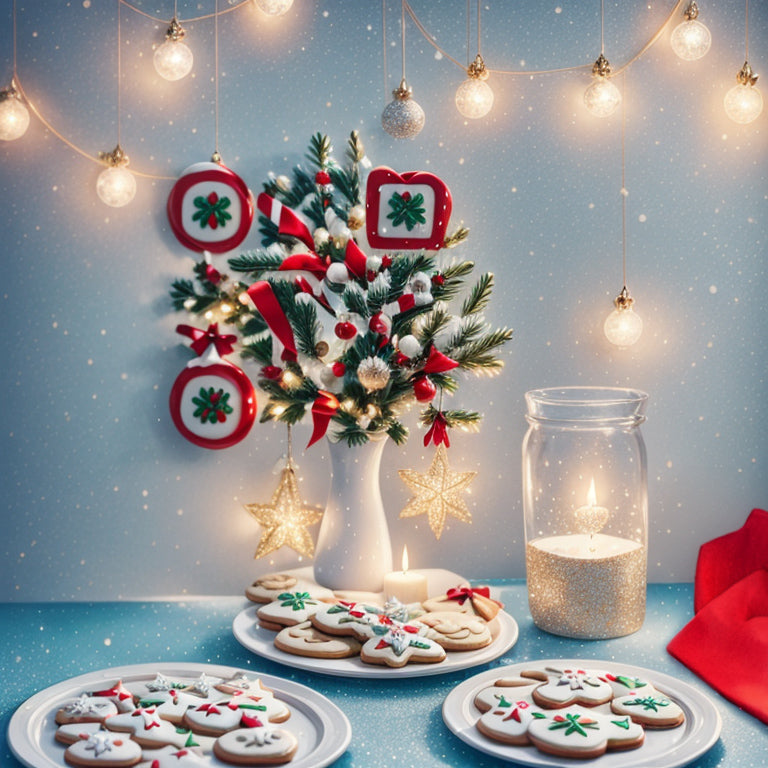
(402, 118)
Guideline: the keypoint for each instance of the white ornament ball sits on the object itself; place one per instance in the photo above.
(409, 346)
(321, 236)
(373, 373)
(14, 119)
(356, 217)
(691, 40)
(274, 7)
(403, 118)
(337, 273)
(474, 98)
(743, 103)
(173, 60)
(116, 186)
(373, 263)
(602, 97)
(623, 327)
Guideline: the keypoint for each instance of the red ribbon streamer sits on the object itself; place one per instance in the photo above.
(288, 223)
(266, 302)
(308, 262)
(437, 362)
(323, 408)
(461, 594)
(201, 340)
(438, 432)
(354, 259)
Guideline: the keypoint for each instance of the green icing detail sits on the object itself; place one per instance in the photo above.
(407, 210)
(572, 725)
(622, 723)
(503, 702)
(648, 703)
(296, 600)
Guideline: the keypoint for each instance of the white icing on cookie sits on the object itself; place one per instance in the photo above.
(396, 644)
(86, 709)
(104, 748)
(255, 746)
(289, 608)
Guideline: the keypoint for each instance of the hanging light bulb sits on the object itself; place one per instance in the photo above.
(274, 7)
(173, 59)
(474, 97)
(402, 118)
(14, 116)
(116, 185)
(602, 96)
(744, 102)
(691, 39)
(623, 327)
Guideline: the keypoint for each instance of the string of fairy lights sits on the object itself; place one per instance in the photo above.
(403, 117)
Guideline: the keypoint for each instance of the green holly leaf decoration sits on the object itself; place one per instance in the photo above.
(296, 600)
(648, 703)
(407, 210)
(572, 723)
(212, 405)
(211, 211)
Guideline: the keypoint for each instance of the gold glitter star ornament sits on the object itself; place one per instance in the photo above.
(438, 492)
(285, 519)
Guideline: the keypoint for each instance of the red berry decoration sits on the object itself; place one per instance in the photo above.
(345, 330)
(339, 369)
(322, 177)
(424, 389)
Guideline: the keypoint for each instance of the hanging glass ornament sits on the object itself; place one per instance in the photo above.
(623, 326)
(403, 118)
(14, 116)
(173, 59)
(274, 7)
(602, 96)
(744, 102)
(474, 97)
(691, 39)
(116, 185)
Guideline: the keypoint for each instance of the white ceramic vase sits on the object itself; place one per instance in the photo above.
(353, 547)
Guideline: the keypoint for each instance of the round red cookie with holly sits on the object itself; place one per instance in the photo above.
(210, 208)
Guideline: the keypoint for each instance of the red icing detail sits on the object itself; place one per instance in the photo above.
(250, 721)
(118, 742)
(381, 644)
(514, 715)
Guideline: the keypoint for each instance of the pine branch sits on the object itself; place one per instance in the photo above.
(432, 324)
(452, 281)
(347, 181)
(355, 148)
(398, 432)
(459, 236)
(453, 418)
(319, 150)
(256, 261)
(479, 296)
(354, 299)
(259, 350)
(303, 318)
(469, 329)
(183, 290)
(253, 326)
(478, 356)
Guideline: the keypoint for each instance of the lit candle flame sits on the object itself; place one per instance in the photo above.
(591, 495)
(405, 559)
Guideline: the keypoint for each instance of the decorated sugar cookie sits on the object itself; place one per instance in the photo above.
(212, 402)
(210, 208)
(119, 694)
(103, 748)
(465, 599)
(511, 688)
(508, 719)
(276, 711)
(307, 640)
(289, 609)
(562, 687)
(86, 709)
(267, 588)
(69, 733)
(348, 618)
(579, 733)
(408, 211)
(456, 631)
(148, 729)
(265, 745)
(216, 717)
(649, 708)
(171, 757)
(396, 645)
(170, 704)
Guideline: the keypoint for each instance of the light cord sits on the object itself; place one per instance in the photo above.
(624, 192)
(216, 76)
(402, 37)
(119, 71)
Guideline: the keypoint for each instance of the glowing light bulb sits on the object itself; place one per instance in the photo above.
(274, 7)
(691, 39)
(744, 102)
(173, 59)
(623, 327)
(474, 97)
(602, 97)
(116, 185)
(402, 118)
(14, 116)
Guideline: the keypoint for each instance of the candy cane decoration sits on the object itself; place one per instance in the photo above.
(288, 223)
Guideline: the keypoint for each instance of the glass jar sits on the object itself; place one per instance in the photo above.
(585, 498)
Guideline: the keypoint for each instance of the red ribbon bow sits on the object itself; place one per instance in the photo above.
(201, 340)
(438, 432)
(323, 408)
(437, 362)
(461, 594)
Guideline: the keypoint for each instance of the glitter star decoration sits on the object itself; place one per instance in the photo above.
(438, 492)
(285, 519)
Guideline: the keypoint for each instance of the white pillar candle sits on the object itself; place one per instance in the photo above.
(407, 586)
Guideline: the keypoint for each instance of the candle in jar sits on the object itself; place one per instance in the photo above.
(407, 586)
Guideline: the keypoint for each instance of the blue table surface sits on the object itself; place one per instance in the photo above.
(394, 722)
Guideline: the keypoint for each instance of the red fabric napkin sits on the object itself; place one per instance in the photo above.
(725, 560)
(726, 643)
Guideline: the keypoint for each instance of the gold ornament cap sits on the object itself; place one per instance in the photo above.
(476, 70)
(745, 76)
(175, 31)
(623, 300)
(692, 11)
(403, 92)
(601, 67)
(115, 159)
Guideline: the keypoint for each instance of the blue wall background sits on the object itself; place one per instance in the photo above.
(103, 499)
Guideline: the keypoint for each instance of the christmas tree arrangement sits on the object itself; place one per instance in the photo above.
(348, 338)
